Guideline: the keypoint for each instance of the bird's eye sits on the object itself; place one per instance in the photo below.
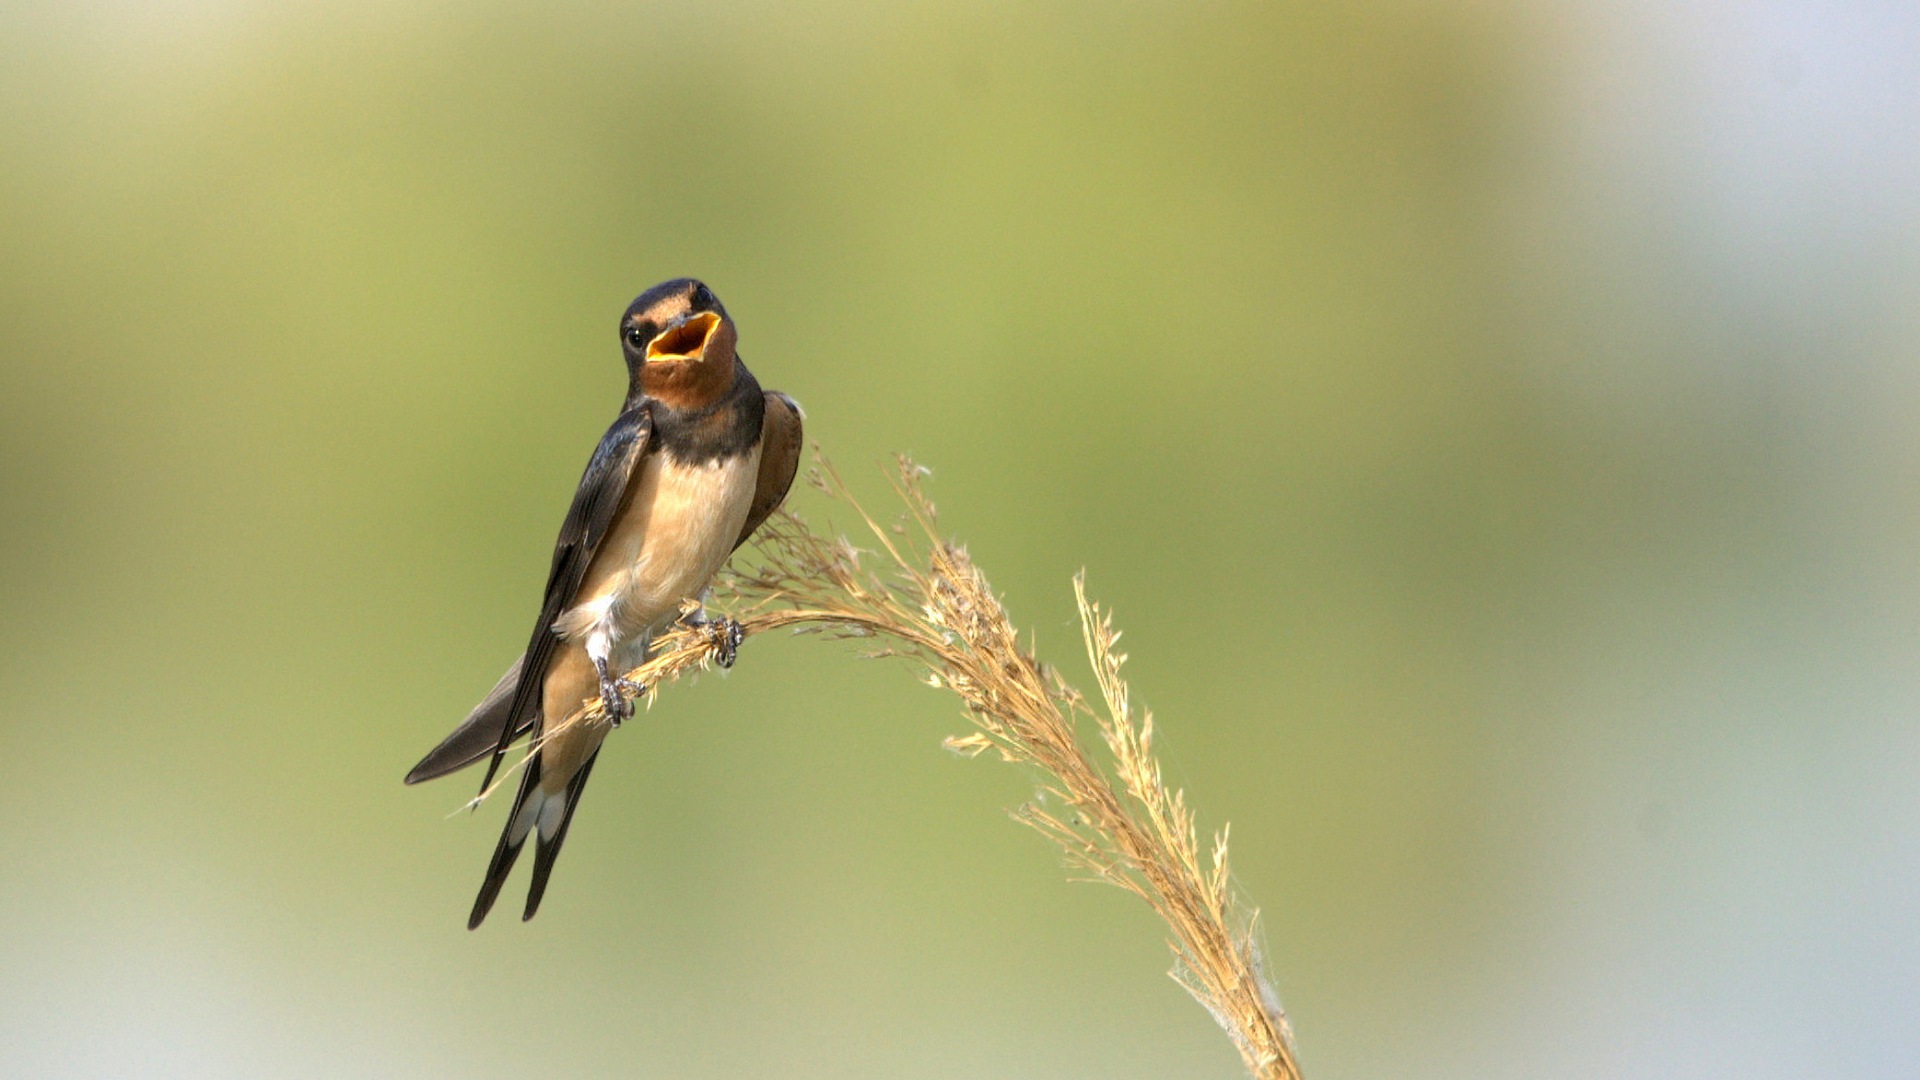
(702, 296)
(635, 336)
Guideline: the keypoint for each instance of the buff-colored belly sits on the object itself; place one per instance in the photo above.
(663, 549)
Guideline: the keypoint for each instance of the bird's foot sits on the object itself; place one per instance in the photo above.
(724, 636)
(613, 694)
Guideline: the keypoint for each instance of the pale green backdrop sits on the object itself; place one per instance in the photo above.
(1494, 424)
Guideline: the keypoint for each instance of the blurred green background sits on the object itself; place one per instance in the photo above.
(1494, 425)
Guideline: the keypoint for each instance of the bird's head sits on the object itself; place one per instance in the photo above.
(679, 344)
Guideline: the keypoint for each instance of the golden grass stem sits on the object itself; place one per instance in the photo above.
(1114, 819)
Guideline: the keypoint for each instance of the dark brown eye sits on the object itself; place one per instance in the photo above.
(702, 297)
(636, 337)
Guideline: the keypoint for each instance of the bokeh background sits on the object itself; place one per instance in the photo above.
(1497, 426)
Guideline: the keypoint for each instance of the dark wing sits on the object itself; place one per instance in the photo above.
(602, 488)
(477, 735)
(780, 441)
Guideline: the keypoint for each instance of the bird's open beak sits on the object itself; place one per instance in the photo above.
(684, 340)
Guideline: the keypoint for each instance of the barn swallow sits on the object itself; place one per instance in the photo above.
(697, 459)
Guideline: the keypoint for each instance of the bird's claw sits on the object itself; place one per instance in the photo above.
(613, 698)
(725, 636)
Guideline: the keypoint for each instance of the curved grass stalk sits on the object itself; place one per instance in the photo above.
(923, 599)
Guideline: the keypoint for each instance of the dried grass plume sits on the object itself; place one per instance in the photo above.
(922, 598)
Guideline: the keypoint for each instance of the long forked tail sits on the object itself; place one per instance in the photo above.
(543, 814)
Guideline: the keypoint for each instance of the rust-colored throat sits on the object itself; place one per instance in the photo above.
(684, 342)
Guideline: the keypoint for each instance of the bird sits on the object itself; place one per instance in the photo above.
(697, 460)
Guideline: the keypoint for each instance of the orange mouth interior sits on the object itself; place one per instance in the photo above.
(686, 341)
